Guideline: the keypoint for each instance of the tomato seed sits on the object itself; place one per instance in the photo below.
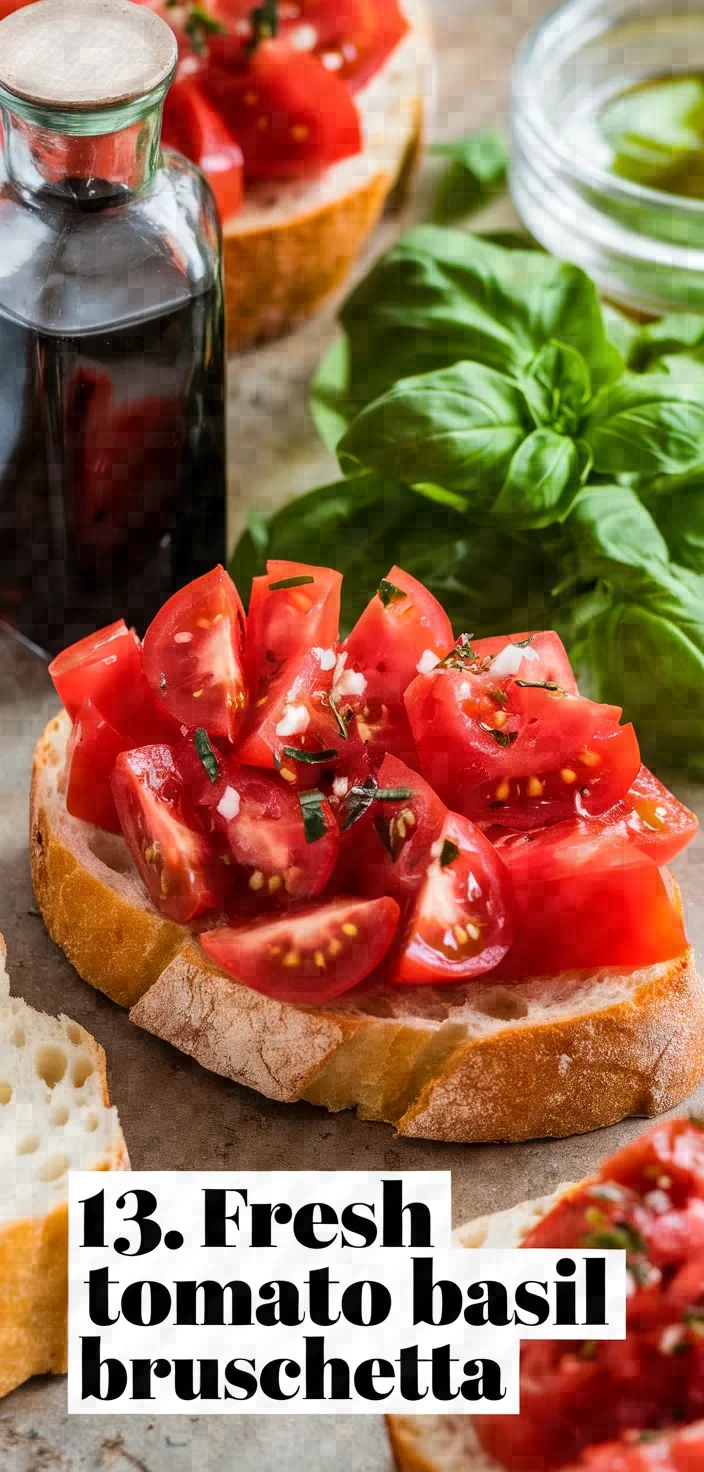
(256, 880)
(334, 948)
(536, 788)
(460, 935)
(503, 792)
(349, 929)
(292, 958)
(275, 883)
(319, 960)
(590, 758)
(568, 775)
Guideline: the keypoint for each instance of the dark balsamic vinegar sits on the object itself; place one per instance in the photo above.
(112, 433)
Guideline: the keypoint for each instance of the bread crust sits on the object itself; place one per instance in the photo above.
(525, 1060)
(34, 1273)
(292, 248)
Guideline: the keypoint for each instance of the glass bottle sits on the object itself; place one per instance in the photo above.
(112, 364)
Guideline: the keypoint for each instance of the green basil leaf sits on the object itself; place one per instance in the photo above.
(646, 424)
(328, 397)
(679, 515)
(442, 296)
(557, 388)
(201, 741)
(542, 483)
(458, 428)
(313, 814)
(477, 173)
(682, 332)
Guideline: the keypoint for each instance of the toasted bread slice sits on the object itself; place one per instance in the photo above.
(551, 1056)
(55, 1116)
(292, 245)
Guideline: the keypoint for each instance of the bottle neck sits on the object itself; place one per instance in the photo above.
(90, 159)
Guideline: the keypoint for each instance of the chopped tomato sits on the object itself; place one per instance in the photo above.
(583, 899)
(462, 922)
(285, 844)
(536, 656)
(290, 115)
(391, 838)
(520, 753)
(590, 1404)
(293, 608)
(106, 669)
(193, 655)
(654, 820)
(112, 657)
(680, 1450)
(183, 876)
(308, 956)
(400, 631)
(292, 728)
(354, 37)
(92, 752)
(194, 127)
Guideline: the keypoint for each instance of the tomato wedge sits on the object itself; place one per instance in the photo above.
(285, 843)
(294, 608)
(391, 839)
(311, 955)
(193, 655)
(193, 127)
(584, 899)
(535, 656)
(520, 753)
(291, 116)
(403, 627)
(354, 37)
(106, 669)
(292, 728)
(462, 923)
(653, 819)
(92, 752)
(110, 658)
(183, 876)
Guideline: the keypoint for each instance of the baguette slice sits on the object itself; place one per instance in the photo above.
(55, 1116)
(549, 1056)
(293, 244)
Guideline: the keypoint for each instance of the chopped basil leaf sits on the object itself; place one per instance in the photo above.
(588, 1350)
(618, 1236)
(199, 25)
(450, 852)
(314, 825)
(310, 758)
(358, 802)
(502, 738)
(498, 696)
(389, 593)
(541, 685)
(206, 754)
(265, 23)
(460, 657)
(697, 1120)
(393, 794)
(340, 718)
(290, 583)
(525, 642)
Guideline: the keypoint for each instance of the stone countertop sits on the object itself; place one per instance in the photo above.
(175, 1115)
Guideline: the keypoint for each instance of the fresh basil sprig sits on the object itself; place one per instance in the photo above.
(476, 173)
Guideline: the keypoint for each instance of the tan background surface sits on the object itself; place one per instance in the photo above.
(176, 1116)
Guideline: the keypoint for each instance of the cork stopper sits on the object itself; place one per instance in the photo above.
(84, 54)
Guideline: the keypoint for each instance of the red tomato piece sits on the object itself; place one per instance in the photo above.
(182, 875)
(675, 1148)
(584, 899)
(292, 728)
(286, 844)
(536, 656)
(193, 655)
(461, 924)
(106, 669)
(92, 752)
(390, 843)
(193, 127)
(354, 37)
(681, 1450)
(290, 115)
(653, 819)
(403, 626)
(112, 657)
(293, 608)
(520, 753)
(308, 956)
